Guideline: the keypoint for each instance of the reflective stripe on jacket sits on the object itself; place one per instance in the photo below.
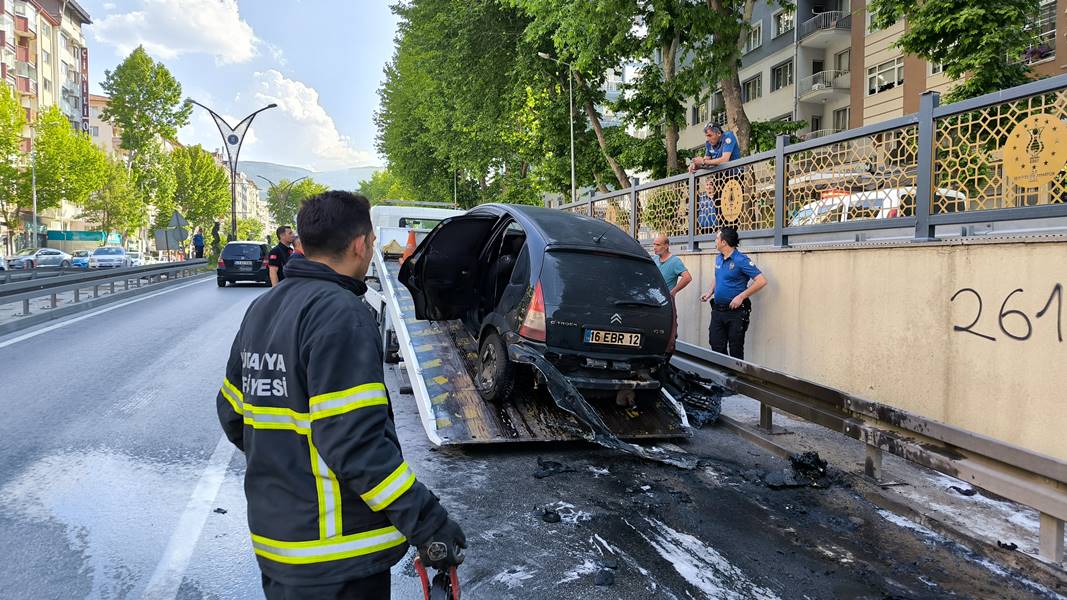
(330, 496)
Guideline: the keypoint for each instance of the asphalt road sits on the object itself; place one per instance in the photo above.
(115, 483)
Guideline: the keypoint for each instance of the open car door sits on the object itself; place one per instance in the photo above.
(441, 274)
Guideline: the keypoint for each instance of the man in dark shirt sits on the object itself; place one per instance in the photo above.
(279, 255)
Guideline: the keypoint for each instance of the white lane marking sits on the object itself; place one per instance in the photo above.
(109, 308)
(170, 571)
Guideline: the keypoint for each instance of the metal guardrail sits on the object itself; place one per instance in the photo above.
(825, 80)
(833, 19)
(945, 165)
(1025, 477)
(13, 275)
(51, 287)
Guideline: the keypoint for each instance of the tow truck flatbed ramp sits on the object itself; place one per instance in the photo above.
(440, 359)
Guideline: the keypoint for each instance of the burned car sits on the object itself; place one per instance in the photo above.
(578, 291)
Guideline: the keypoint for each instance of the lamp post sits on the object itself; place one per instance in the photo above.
(288, 187)
(570, 94)
(232, 138)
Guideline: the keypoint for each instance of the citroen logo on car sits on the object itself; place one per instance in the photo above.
(616, 319)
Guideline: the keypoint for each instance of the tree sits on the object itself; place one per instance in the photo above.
(12, 122)
(982, 41)
(146, 101)
(116, 206)
(284, 199)
(250, 229)
(383, 185)
(202, 186)
(69, 166)
(154, 182)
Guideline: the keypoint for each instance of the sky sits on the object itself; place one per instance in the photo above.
(321, 61)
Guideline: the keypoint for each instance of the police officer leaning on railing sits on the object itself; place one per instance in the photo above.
(730, 291)
(332, 504)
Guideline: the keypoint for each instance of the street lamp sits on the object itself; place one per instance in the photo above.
(288, 186)
(570, 94)
(232, 138)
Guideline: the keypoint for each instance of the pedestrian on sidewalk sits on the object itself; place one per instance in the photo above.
(675, 274)
(279, 255)
(731, 309)
(198, 242)
(332, 504)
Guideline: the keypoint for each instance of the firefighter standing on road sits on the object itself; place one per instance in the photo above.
(332, 504)
(731, 309)
(279, 255)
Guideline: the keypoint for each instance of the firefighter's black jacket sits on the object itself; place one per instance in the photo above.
(330, 497)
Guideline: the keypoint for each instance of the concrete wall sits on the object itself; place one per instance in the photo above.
(879, 323)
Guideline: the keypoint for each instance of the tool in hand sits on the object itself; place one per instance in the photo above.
(445, 584)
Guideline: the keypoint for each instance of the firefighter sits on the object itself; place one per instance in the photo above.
(332, 504)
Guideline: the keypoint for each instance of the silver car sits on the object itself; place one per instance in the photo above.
(35, 258)
(109, 257)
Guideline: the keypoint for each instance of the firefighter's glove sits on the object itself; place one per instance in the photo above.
(445, 548)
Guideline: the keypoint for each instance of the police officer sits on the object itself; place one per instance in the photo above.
(719, 147)
(279, 255)
(332, 504)
(731, 308)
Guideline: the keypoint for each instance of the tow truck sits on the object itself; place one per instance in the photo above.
(440, 358)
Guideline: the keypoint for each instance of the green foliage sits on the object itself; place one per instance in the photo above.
(202, 186)
(765, 133)
(250, 229)
(146, 101)
(69, 166)
(12, 122)
(116, 206)
(983, 41)
(284, 200)
(154, 182)
(383, 185)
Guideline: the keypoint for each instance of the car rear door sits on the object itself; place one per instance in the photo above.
(442, 273)
(603, 303)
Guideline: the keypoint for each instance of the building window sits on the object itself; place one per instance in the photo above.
(783, 22)
(752, 89)
(46, 30)
(703, 113)
(841, 60)
(841, 116)
(46, 57)
(755, 37)
(694, 115)
(95, 131)
(782, 76)
(613, 84)
(47, 85)
(885, 76)
(1043, 28)
(936, 68)
(870, 19)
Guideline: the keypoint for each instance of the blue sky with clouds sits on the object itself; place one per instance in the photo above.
(320, 60)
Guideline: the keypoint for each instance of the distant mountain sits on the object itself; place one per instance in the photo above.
(341, 179)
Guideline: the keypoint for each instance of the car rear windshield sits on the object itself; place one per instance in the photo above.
(107, 251)
(593, 277)
(241, 252)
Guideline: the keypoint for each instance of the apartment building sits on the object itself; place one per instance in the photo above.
(250, 204)
(106, 136)
(823, 64)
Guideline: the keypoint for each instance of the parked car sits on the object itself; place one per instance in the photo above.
(80, 258)
(886, 203)
(136, 258)
(34, 258)
(578, 291)
(109, 257)
(243, 261)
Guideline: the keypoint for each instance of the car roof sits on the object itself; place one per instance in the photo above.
(560, 228)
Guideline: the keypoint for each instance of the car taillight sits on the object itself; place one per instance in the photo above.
(222, 263)
(533, 327)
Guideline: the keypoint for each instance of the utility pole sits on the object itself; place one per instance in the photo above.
(232, 138)
(570, 95)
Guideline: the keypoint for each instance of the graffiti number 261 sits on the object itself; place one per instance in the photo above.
(1021, 326)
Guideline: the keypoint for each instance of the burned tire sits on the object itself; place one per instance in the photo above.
(496, 374)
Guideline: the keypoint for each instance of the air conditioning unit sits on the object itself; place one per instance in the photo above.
(817, 86)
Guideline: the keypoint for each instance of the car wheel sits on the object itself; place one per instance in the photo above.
(221, 282)
(496, 374)
(64, 265)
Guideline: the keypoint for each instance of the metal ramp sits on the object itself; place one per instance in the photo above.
(440, 358)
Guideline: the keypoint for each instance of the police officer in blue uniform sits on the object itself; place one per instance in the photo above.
(719, 147)
(731, 308)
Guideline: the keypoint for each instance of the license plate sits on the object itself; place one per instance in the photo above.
(243, 263)
(244, 268)
(612, 338)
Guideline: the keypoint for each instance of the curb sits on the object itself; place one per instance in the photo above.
(20, 323)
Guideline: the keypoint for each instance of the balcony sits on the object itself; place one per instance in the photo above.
(25, 86)
(23, 27)
(818, 133)
(825, 85)
(22, 54)
(824, 29)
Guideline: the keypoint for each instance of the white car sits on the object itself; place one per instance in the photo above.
(136, 259)
(109, 257)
